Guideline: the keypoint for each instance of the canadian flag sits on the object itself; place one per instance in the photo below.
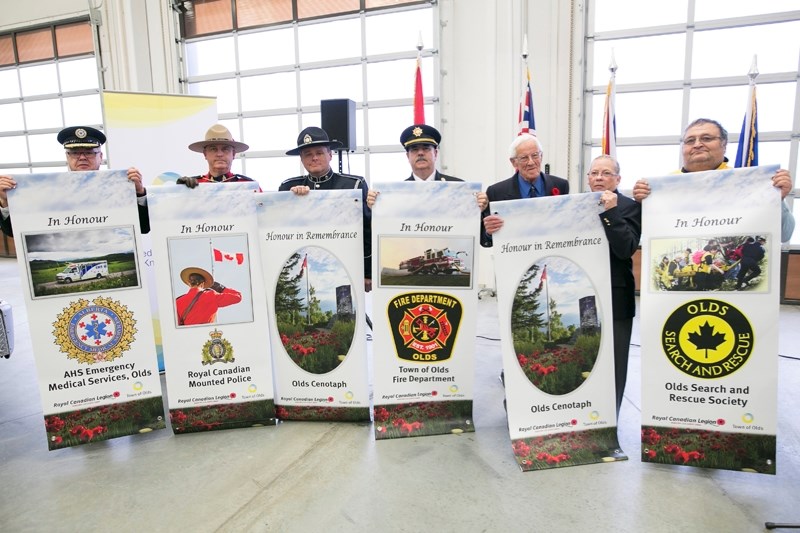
(221, 257)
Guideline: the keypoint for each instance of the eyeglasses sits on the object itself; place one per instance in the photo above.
(536, 156)
(604, 174)
(705, 139)
(76, 154)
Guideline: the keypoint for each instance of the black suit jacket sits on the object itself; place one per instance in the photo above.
(508, 189)
(623, 227)
(438, 177)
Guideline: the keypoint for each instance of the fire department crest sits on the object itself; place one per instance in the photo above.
(91, 333)
(424, 325)
(217, 350)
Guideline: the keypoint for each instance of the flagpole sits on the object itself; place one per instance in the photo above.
(211, 252)
(419, 97)
(609, 141)
(746, 152)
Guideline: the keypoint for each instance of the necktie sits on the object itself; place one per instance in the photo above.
(532, 192)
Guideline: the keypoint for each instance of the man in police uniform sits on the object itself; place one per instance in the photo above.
(314, 148)
(422, 149)
(219, 150)
(83, 149)
(203, 299)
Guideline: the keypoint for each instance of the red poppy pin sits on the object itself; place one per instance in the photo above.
(555, 192)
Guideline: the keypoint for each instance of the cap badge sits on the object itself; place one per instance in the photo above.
(307, 139)
(80, 133)
(417, 131)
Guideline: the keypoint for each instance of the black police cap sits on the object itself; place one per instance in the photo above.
(81, 137)
(420, 134)
(313, 136)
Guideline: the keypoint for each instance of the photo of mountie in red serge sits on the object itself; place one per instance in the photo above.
(205, 296)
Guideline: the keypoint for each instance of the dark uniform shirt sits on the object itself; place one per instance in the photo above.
(333, 181)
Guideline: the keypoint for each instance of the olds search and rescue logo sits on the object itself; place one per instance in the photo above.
(707, 338)
(94, 333)
(424, 325)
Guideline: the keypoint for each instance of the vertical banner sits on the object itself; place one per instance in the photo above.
(556, 331)
(211, 302)
(172, 121)
(78, 242)
(709, 299)
(313, 263)
(425, 305)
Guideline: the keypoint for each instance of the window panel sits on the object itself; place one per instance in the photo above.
(330, 83)
(258, 13)
(385, 168)
(41, 114)
(641, 59)
(711, 9)
(79, 74)
(398, 32)
(224, 90)
(317, 8)
(395, 79)
(6, 50)
(270, 172)
(270, 133)
(279, 45)
(272, 91)
(212, 56)
(11, 117)
(83, 110)
(35, 45)
(663, 112)
(330, 40)
(352, 163)
(372, 4)
(386, 124)
(74, 39)
(207, 16)
(13, 149)
(622, 14)
(9, 84)
(643, 162)
(729, 52)
(45, 147)
(39, 79)
(769, 153)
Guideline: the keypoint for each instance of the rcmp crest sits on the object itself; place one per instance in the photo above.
(91, 333)
(217, 350)
(707, 338)
(424, 325)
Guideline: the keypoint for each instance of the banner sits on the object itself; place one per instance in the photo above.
(709, 327)
(556, 330)
(313, 262)
(133, 120)
(78, 248)
(425, 303)
(214, 315)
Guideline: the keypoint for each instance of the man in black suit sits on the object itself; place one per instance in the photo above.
(525, 154)
(622, 222)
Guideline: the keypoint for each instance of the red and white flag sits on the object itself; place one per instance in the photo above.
(224, 257)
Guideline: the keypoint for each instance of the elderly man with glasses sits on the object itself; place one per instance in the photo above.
(703, 148)
(622, 222)
(83, 149)
(528, 181)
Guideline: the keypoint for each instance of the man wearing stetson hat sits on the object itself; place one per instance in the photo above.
(314, 148)
(83, 149)
(219, 150)
(204, 297)
(422, 149)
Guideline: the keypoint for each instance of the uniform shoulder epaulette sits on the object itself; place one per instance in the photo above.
(296, 178)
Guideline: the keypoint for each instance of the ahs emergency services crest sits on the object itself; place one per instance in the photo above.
(217, 350)
(102, 331)
(424, 325)
(707, 338)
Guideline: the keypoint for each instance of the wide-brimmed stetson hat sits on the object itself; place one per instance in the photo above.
(186, 272)
(313, 136)
(218, 134)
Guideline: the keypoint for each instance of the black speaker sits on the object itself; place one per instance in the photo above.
(339, 122)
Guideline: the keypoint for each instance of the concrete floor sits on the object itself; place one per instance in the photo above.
(314, 476)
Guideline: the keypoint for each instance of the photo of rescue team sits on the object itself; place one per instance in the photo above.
(728, 263)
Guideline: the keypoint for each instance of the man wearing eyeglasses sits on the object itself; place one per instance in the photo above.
(525, 154)
(703, 148)
(83, 149)
(622, 222)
